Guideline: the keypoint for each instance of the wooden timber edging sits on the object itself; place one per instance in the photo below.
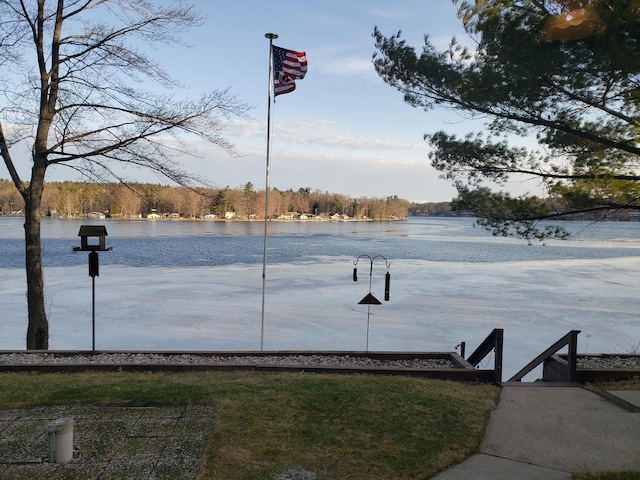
(556, 369)
(462, 371)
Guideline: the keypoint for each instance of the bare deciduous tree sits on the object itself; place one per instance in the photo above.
(75, 90)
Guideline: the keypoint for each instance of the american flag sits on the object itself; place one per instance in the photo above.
(288, 66)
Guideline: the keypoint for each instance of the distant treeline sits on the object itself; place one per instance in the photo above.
(431, 209)
(81, 199)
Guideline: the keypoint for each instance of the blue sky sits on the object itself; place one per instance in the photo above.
(343, 130)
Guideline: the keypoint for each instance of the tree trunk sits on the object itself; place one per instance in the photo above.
(38, 329)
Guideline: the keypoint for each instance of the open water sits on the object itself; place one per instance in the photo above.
(176, 244)
(197, 285)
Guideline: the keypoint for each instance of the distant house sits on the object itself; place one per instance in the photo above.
(96, 215)
(153, 216)
(229, 215)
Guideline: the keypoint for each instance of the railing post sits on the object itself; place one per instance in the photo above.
(499, 339)
(572, 355)
(571, 341)
(493, 342)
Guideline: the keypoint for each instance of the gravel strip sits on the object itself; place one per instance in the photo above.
(604, 362)
(345, 361)
(597, 362)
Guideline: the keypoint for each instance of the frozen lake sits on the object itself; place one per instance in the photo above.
(198, 286)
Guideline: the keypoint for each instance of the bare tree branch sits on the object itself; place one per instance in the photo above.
(77, 89)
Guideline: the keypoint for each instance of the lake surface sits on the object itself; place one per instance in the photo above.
(215, 243)
(197, 285)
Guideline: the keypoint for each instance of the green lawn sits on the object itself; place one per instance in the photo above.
(607, 476)
(352, 427)
(601, 387)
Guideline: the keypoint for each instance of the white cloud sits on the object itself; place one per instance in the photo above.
(347, 66)
(326, 134)
(389, 13)
(319, 133)
(321, 155)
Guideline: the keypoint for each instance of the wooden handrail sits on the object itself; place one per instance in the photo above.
(570, 340)
(493, 342)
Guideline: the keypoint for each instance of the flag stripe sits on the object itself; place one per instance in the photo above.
(289, 66)
(295, 65)
(283, 84)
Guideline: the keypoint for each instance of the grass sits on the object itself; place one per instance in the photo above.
(601, 387)
(341, 427)
(607, 476)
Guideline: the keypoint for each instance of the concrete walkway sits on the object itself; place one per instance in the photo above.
(545, 432)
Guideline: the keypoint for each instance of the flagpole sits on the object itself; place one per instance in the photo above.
(271, 37)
